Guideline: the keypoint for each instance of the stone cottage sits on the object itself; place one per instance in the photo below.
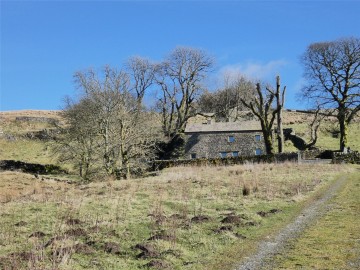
(230, 139)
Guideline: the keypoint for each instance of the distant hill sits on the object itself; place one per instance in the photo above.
(31, 113)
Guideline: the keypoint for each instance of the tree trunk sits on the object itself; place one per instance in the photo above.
(128, 173)
(80, 170)
(343, 131)
(268, 143)
(280, 134)
(280, 104)
(107, 159)
(267, 138)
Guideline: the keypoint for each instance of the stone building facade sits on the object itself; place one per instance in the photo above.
(221, 140)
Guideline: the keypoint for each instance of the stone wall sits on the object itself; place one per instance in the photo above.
(311, 154)
(37, 119)
(316, 153)
(277, 158)
(14, 165)
(353, 157)
(210, 145)
(44, 135)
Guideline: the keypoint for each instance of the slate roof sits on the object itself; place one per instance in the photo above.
(224, 127)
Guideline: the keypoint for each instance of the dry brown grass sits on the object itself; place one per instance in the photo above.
(11, 115)
(177, 217)
(15, 186)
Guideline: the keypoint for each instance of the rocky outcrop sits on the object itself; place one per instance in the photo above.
(37, 119)
(44, 135)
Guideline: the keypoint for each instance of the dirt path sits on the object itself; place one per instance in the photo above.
(268, 249)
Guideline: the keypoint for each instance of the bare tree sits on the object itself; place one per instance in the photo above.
(280, 100)
(299, 142)
(139, 135)
(76, 142)
(314, 127)
(180, 77)
(226, 102)
(333, 73)
(167, 102)
(142, 73)
(107, 93)
(261, 105)
(107, 126)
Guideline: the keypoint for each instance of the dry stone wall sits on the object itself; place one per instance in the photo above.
(353, 157)
(277, 158)
(14, 165)
(37, 119)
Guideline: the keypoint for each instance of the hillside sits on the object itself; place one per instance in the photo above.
(182, 218)
(328, 136)
(20, 132)
(18, 135)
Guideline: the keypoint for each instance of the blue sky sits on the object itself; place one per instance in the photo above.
(44, 42)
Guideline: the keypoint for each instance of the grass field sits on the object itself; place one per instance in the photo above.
(334, 241)
(15, 145)
(184, 218)
(326, 139)
(32, 151)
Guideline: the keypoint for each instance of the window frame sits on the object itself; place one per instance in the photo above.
(256, 151)
(235, 153)
(257, 138)
(223, 154)
(231, 138)
(193, 156)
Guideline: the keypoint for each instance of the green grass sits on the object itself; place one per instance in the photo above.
(22, 127)
(130, 212)
(325, 140)
(19, 147)
(32, 151)
(333, 242)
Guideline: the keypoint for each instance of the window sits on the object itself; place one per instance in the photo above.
(257, 138)
(231, 139)
(193, 155)
(223, 154)
(258, 151)
(235, 153)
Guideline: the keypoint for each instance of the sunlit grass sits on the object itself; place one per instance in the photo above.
(32, 151)
(184, 205)
(326, 140)
(333, 242)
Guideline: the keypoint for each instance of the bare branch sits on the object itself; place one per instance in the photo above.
(333, 72)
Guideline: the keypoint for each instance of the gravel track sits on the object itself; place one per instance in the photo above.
(268, 249)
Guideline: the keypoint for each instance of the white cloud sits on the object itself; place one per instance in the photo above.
(253, 70)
